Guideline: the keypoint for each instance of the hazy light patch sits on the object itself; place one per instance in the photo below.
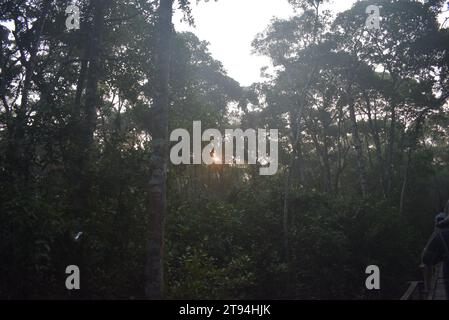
(231, 25)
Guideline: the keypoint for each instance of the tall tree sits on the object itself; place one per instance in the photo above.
(154, 269)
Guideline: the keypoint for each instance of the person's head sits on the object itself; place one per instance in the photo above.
(444, 223)
(440, 217)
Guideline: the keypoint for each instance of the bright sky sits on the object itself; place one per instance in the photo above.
(231, 25)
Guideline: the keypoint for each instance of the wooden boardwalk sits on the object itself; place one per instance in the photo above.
(432, 289)
(438, 292)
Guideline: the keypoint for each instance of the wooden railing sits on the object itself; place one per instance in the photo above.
(423, 290)
(415, 291)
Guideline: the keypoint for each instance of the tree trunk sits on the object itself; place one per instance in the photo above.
(85, 125)
(359, 150)
(88, 109)
(389, 160)
(17, 153)
(300, 163)
(404, 183)
(323, 154)
(154, 274)
(285, 216)
(295, 137)
(376, 138)
(412, 147)
(326, 163)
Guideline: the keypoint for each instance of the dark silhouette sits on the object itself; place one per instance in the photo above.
(437, 248)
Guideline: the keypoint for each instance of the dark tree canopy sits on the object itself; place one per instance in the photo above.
(85, 176)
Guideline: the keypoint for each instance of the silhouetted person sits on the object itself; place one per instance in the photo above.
(437, 248)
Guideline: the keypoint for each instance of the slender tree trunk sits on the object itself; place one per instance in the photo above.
(300, 163)
(4, 78)
(154, 269)
(323, 154)
(412, 147)
(389, 166)
(359, 150)
(285, 216)
(92, 98)
(380, 159)
(404, 183)
(390, 151)
(368, 152)
(376, 138)
(85, 125)
(340, 154)
(80, 87)
(30, 65)
(18, 155)
(296, 132)
(88, 109)
(357, 142)
(327, 166)
(285, 227)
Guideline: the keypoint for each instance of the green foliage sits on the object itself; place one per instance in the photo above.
(225, 234)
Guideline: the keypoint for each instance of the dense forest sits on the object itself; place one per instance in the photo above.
(86, 180)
